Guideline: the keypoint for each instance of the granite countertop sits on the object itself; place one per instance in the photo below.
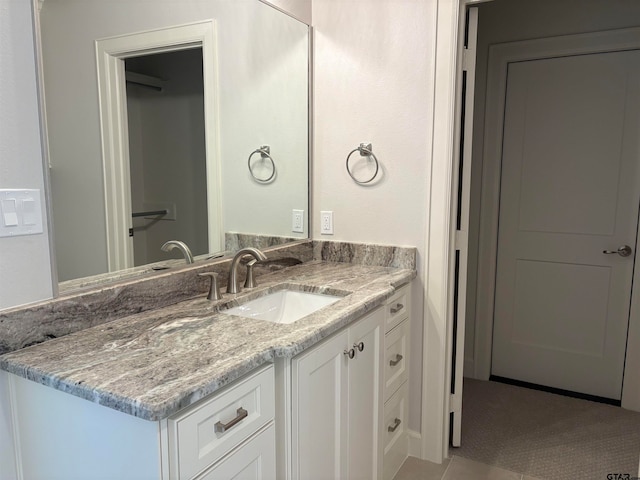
(154, 363)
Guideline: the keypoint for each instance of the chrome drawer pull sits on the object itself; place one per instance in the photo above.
(396, 360)
(396, 424)
(223, 427)
(397, 308)
(350, 353)
(359, 346)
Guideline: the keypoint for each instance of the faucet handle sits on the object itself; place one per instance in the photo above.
(214, 289)
(250, 281)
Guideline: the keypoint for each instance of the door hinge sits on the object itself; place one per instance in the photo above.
(468, 58)
(455, 403)
(460, 240)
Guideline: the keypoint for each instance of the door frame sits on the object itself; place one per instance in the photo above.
(500, 56)
(439, 259)
(112, 97)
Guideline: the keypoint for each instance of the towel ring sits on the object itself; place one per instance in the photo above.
(365, 150)
(264, 152)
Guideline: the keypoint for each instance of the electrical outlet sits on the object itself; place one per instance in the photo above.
(326, 223)
(297, 222)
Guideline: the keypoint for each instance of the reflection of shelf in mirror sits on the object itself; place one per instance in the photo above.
(145, 80)
(154, 213)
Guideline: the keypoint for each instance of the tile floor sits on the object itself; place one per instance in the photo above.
(455, 468)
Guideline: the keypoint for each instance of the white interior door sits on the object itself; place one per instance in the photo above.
(570, 190)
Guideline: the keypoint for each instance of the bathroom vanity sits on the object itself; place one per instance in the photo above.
(190, 392)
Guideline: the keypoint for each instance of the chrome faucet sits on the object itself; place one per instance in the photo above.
(171, 244)
(232, 281)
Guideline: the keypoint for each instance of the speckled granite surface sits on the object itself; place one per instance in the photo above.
(97, 300)
(96, 304)
(234, 241)
(153, 363)
(365, 254)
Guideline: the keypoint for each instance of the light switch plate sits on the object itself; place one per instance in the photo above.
(20, 212)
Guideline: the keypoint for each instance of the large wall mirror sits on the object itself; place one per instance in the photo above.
(195, 115)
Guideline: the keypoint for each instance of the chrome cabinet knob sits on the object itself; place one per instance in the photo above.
(623, 251)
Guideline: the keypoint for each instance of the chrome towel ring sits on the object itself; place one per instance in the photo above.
(265, 153)
(366, 150)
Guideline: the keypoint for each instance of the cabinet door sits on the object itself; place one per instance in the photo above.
(365, 392)
(320, 401)
(254, 460)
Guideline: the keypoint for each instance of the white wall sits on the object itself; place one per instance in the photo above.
(268, 105)
(503, 21)
(253, 54)
(25, 271)
(374, 75)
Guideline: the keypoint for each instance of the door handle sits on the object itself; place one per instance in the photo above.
(396, 361)
(623, 251)
(394, 427)
(220, 427)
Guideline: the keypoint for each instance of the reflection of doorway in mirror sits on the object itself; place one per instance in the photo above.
(167, 156)
(111, 54)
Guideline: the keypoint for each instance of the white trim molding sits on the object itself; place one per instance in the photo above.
(438, 311)
(415, 443)
(15, 424)
(110, 53)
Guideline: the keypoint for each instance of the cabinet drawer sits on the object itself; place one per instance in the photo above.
(254, 460)
(205, 432)
(396, 355)
(397, 308)
(395, 440)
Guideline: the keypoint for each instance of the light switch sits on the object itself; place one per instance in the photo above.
(29, 212)
(10, 212)
(21, 212)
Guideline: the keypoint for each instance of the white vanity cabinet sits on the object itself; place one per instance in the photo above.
(349, 399)
(336, 404)
(229, 434)
(338, 410)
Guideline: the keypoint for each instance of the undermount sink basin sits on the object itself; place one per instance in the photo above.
(283, 306)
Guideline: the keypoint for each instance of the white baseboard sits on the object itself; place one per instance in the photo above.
(415, 443)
